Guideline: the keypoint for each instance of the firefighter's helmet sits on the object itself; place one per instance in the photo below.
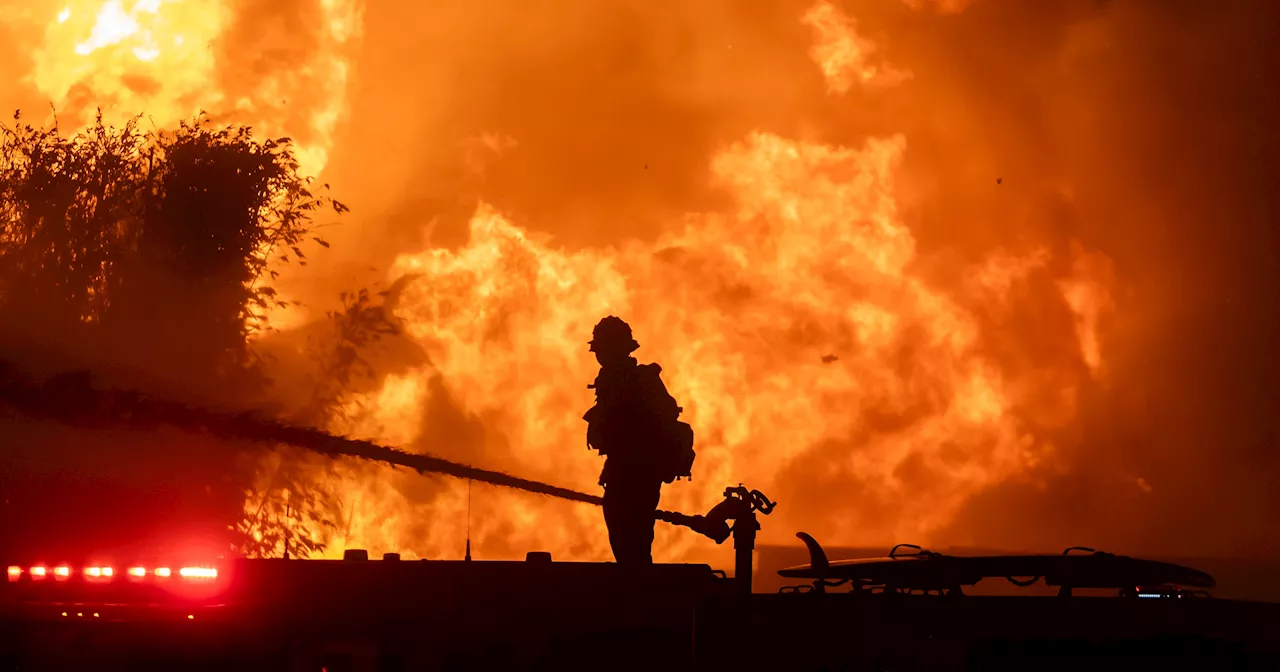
(613, 334)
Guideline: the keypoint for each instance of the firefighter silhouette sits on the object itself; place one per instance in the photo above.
(626, 425)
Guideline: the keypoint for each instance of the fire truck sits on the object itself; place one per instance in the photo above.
(910, 609)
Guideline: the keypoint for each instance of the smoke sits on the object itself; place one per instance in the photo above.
(1154, 115)
(944, 6)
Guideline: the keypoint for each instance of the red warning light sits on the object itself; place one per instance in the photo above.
(39, 572)
(162, 572)
(198, 573)
(98, 572)
(15, 573)
(137, 572)
(62, 572)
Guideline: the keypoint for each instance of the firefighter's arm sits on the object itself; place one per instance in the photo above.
(594, 418)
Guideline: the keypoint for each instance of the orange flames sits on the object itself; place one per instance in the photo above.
(815, 360)
(843, 55)
(170, 60)
(814, 356)
(794, 331)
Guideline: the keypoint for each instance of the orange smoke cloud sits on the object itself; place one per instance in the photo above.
(943, 6)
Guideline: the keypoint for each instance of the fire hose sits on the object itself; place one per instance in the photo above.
(72, 400)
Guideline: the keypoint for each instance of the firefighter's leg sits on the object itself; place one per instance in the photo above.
(615, 521)
(646, 504)
(628, 513)
(637, 532)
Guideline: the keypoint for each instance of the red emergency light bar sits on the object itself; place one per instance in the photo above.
(63, 572)
(115, 591)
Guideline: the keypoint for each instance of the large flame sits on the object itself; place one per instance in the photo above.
(795, 332)
(812, 354)
(812, 351)
(170, 60)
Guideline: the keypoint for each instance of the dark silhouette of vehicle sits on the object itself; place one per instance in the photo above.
(928, 572)
(906, 610)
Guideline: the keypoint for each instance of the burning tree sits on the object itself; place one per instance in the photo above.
(288, 509)
(149, 250)
(114, 234)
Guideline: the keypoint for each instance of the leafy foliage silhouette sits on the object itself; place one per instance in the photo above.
(156, 250)
(289, 496)
(359, 325)
(158, 239)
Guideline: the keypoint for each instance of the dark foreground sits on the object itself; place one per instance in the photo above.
(410, 615)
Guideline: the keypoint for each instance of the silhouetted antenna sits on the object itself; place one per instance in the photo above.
(467, 557)
(286, 527)
(288, 522)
